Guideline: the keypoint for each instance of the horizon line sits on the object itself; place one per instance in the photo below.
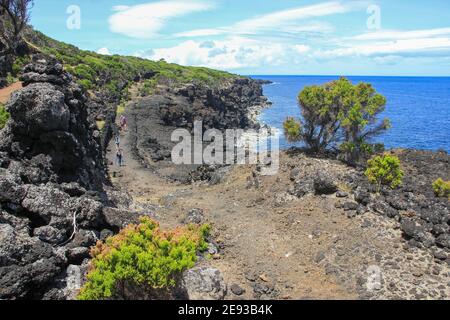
(336, 75)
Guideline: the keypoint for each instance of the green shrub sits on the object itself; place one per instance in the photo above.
(385, 170)
(120, 109)
(4, 116)
(86, 84)
(142, 255)
(340, 113)
(441, 188)
(292, 129)
(100, 124)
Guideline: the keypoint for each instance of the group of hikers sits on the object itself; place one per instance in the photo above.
(119, 152)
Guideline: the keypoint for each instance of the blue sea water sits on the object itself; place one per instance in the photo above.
(419, 107)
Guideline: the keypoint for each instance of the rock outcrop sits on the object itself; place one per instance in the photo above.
(226, 106)
(232, 104)
(424, 218)
(53, 187)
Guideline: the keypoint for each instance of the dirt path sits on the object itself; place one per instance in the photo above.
(253, 237)
(5, 93)
(290, 248)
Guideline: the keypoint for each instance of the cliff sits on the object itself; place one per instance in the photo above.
(230, 104)
(56, 201)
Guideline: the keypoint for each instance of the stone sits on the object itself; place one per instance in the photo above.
(194, 216)
(350, 206)
(204, 284)
(77, 255)
(237, 290)
(324, 183)
(105, 234)
(50, 235)
(341, 194)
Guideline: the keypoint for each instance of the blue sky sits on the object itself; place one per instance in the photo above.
(305, 37)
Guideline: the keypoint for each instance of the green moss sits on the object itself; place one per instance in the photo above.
(142, 255)
(4, 116)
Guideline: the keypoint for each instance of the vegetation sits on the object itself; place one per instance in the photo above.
(339, 114)
(120, 109)
(441, 188)
(14, 16)
(292, 129)
(385, 170)
(142, 255)
(115, 73)
(4, 116)
(100, 124)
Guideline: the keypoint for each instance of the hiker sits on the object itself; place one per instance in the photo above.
(119, 158)
(117, 141)
(123, 123)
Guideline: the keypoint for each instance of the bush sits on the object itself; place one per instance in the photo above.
(100, 124)
(4, 116)
(86, 84)
(340, 113)
(385, 170)
(144, 256)
(120, 109)
(292, 129)
(442, 188)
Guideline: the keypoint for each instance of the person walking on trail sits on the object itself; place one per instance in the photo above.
(117, 141)
(123, 123)
(119, 158)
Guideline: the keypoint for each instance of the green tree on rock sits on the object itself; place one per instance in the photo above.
(339, 114)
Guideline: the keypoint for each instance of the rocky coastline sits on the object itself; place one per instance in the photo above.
(57, 198)
(232, 104)
(55, 195)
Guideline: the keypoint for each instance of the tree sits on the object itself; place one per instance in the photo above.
(14, 16)
(339, 114)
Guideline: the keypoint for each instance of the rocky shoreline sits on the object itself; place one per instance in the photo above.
(55, 195)
(57, 199)
(233, 104)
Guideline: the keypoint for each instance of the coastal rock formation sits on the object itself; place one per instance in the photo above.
(53, 186)
(226, 106)
(424, 218)
(232, 104)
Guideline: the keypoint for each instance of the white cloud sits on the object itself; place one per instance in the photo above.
(146, 20)
(104, 51)
(232, 53)
(402, 35)
(419, 46)
(120, 8)
(285, 21)
(200, 33)
(301, 48)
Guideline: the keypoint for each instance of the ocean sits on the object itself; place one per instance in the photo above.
(418, 107)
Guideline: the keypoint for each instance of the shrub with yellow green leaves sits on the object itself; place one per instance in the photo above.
(441, 188)
(292, 129)
(4, 116)
(142, 256)
(385, 170)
